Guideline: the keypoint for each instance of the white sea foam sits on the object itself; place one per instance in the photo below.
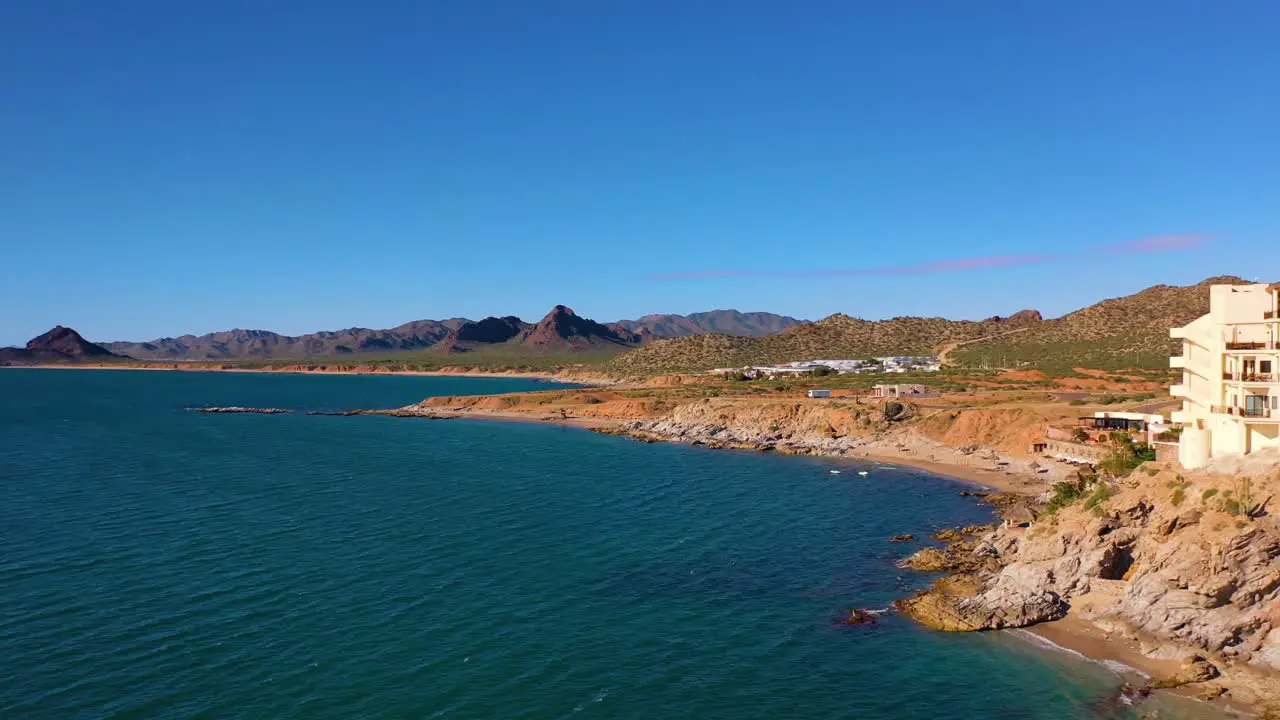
(1121, 669)
(1114, 666)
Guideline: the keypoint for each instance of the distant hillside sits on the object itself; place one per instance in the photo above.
(838, 336)
(489, 331)
(560, 330)
(1130, 331)
(1122, 332)
(59, 345)
(722, 322)
(264, 344)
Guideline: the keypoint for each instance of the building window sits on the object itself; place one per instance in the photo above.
(1264, 367)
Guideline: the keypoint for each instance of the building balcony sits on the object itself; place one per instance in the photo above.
(1179, 391)
(1178, 362)
(1266, 346)
(1254, 413)
(1262, 378)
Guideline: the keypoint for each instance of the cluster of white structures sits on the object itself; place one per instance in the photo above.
(894, 364)
(921, 363)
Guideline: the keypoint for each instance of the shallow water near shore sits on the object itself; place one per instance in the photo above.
(164, 563)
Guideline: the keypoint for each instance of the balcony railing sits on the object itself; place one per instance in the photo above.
(1252, 413)
(1251, 345)
(1252, 377)
(1269, 315)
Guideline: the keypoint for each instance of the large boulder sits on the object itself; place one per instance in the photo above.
(994, 602)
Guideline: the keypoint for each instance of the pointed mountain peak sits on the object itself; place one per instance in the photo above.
(560, 311)
(66, 341)
(59, 345)
(562, 327)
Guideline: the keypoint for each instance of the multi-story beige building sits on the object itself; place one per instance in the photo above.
(1230, 364)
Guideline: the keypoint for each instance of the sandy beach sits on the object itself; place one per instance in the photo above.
(957, 466)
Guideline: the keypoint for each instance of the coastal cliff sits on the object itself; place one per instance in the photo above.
(986, 445)
(1183, 566)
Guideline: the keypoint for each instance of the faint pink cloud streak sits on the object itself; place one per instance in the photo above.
(1159, 244)
(1144, 246)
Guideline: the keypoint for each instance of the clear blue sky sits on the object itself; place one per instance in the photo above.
(171, 167)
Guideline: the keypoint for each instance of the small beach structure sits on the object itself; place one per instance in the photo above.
(1019, 516)
(1145, 424)
(819, 393)
(898, 390)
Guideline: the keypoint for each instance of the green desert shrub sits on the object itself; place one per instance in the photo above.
(1068, 492)
(1100, 495)
(1064, 493)
(1126, 455)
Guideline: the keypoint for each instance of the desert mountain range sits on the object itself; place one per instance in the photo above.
(555, 331)
(1121, 332)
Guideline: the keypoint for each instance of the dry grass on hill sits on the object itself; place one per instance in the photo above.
(838, 336)
(1130, 331)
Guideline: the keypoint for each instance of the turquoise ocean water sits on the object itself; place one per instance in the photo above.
(159, 563)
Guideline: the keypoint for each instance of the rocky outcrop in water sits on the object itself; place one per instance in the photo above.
(858, 617)
(1186, 565)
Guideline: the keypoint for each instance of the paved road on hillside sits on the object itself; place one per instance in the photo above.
(1159, 407)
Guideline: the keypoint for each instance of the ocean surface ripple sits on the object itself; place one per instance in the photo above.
(160, 563)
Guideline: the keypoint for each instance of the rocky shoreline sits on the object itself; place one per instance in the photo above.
(883, 432)
(1183, 567)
